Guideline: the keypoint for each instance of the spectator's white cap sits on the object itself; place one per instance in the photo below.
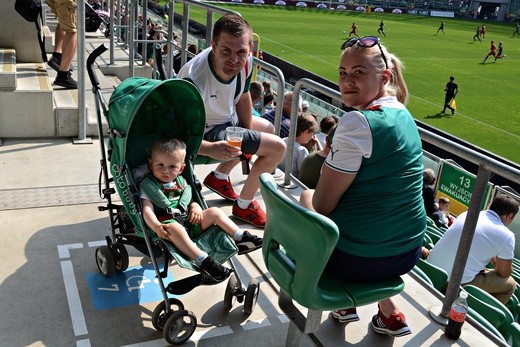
(305, 104)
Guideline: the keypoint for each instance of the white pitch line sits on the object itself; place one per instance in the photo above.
(301, 52)
(76, 311)
(472, 119)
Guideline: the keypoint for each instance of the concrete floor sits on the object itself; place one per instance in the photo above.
(52, 294)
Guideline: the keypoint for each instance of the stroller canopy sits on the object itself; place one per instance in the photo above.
(141, 110)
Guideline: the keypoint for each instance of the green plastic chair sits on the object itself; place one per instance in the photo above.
(491, 309)
(485, 323)
(434, 234)
(438, 276)
(420, 273)
(296, 248)
(515, 334)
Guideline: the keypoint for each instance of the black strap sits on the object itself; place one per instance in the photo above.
(41, 38)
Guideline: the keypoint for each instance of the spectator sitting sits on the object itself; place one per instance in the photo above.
(286, 114)
(256, 90)
(267, 88)
(492, 242)
(177, 59)
(305, 130)
(428, 192)
(310, 169)
(223, 73)
(325, 125)
(442, 217)
(305, 105)
(268, 100)
(314, 144)
(166, 164)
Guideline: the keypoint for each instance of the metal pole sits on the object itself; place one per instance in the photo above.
(113, 34)
(82, 112)
(169, 44)
(477, 197)
(130, 38)
(185, 31)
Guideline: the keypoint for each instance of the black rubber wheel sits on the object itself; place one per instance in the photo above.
(105, 261)
(159, 315)
(251, 296)
(120, 256)
(179, 327)
(229, 294)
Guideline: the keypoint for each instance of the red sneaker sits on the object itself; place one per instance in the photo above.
(253, 214)
(221, 187)
(395, 325)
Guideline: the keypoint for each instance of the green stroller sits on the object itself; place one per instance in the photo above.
(140, 111)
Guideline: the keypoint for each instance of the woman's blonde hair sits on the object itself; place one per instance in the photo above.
(397, 85)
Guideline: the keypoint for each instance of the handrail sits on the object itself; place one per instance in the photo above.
(279, 96)
(486, 166)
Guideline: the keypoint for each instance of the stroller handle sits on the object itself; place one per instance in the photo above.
(90, 64)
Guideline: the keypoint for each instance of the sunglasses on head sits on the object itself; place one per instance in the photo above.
(365, 42)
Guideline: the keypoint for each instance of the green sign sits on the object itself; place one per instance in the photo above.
(458, 184)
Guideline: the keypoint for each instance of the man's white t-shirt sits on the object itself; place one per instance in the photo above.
(220, 97)
(492, 238)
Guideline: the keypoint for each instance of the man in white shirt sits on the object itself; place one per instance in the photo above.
(492, 243)
(223, 73)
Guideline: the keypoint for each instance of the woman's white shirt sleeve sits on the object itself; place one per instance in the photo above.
(352, 142)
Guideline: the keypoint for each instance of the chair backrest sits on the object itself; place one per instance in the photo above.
(438, 276)
(515, 334)
(491, 309)
(297, 245)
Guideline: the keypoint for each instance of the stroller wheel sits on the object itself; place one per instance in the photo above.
(251, 296)
(229, 295)
(121, 256)
(179, 327)
(105, 261)
(160, 316)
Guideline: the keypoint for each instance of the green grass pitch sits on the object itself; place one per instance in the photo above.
(487, 104)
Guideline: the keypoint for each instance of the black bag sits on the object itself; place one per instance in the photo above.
(31, 10)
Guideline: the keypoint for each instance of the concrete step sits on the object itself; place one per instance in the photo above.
(31, 111)
(66, 105)
(49, 39)
(7, 69)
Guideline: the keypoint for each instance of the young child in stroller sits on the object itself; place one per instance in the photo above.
(166, 162)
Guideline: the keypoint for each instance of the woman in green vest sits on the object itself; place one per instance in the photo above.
(371, 181)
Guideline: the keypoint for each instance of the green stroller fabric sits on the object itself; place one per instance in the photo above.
(141, 110)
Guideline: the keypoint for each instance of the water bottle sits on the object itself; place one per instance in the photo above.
(458, 312)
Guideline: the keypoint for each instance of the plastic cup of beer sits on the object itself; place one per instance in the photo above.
(234, 136)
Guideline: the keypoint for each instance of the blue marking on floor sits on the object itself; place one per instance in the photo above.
(134, 286)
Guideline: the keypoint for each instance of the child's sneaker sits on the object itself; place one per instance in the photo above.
(248, 243)
(221, 187)
(214, 269)
(395, 325)
(253, 214)
(346, 316)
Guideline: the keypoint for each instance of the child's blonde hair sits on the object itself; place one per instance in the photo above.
(168, 145)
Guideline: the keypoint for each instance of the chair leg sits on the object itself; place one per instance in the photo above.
(294, 335)
(299, 324)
